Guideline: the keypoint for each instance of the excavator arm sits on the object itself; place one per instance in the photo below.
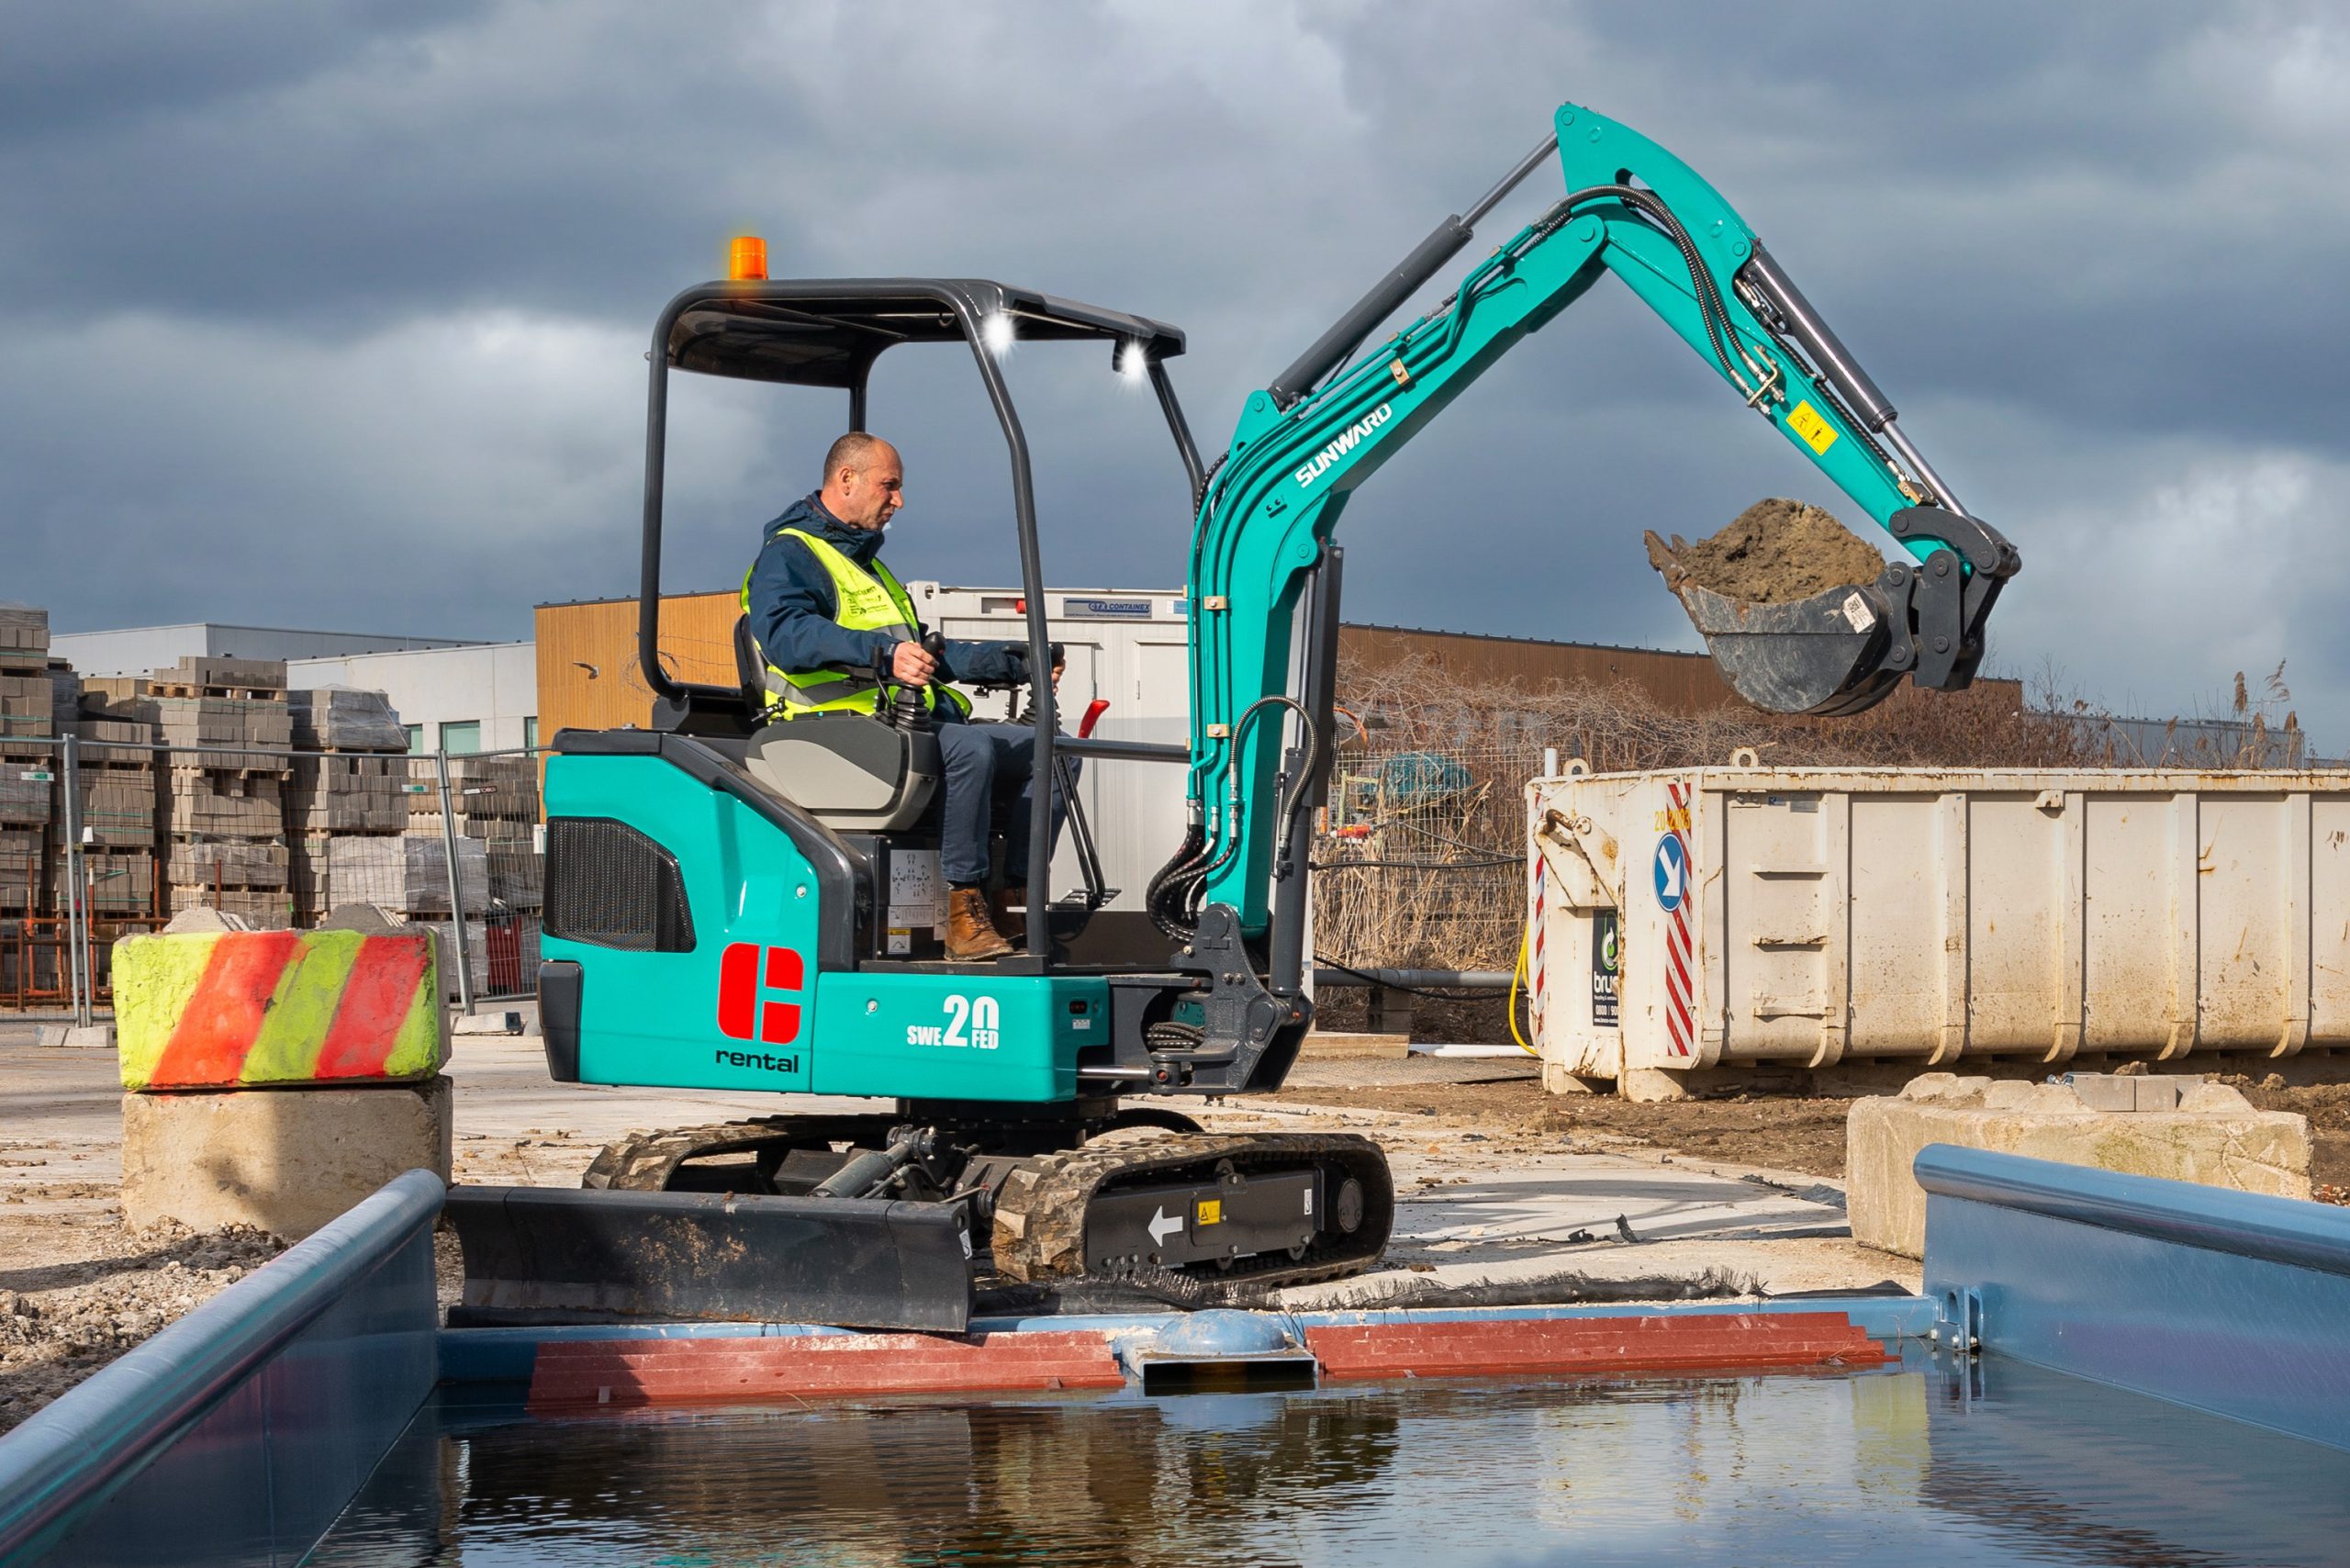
(1268, 512)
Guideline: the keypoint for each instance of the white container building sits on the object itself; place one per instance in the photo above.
(1128, 646)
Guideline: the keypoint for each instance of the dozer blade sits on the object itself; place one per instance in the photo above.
(1839, 651)
(549, 1254)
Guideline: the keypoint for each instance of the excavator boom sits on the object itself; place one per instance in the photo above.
(1267, 516)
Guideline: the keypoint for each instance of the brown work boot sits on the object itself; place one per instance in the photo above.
(970, 935)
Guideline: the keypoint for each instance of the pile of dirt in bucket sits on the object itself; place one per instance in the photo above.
(1775, 552)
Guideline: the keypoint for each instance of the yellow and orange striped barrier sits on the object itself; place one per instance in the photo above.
(231, 1009)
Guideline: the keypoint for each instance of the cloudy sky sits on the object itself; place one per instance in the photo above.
(333, 315)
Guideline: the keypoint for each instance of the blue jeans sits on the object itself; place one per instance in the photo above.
(984, 763)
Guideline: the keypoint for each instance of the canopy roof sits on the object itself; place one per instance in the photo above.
(827, 332)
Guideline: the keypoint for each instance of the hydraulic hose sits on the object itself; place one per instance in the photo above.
(1163, 897)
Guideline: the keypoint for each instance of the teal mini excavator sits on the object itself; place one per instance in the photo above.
(719, 890)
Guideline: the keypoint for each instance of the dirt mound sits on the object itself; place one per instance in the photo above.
(1774, 552)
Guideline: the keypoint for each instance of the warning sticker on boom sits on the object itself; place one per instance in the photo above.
(1817, 432)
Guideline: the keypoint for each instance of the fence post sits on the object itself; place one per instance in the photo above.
(456, 899)
(85, 984)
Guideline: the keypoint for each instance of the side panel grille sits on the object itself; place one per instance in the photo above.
(609, 885)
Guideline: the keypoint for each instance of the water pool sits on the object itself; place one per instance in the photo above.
(1929, 1462)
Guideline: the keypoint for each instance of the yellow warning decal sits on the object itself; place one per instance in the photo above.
(1211, 1211)
(1818, 434)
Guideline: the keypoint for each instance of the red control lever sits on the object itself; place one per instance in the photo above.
(1093, 711)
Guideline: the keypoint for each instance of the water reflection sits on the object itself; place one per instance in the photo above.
(1917, 1463)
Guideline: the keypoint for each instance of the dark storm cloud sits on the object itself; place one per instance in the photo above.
(334, 314)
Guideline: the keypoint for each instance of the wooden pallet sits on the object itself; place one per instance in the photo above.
(228, 693)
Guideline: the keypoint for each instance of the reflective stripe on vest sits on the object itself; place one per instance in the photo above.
(865, 601)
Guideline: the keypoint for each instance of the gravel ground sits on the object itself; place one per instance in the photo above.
(99, 1289)
(1775, 1132)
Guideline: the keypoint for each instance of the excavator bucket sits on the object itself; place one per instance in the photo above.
(1839, 651)
(554, 1254)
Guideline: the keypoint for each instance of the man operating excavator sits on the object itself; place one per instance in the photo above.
(834, 626)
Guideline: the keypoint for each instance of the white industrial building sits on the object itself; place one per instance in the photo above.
(1129, 646)
(472, 698)
(139, 649)
(457, 694)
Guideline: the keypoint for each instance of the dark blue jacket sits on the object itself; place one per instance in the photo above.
(793, 606)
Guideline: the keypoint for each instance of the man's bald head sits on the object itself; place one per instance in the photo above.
(864, 480)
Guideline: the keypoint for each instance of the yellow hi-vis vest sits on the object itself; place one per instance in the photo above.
(864, 601)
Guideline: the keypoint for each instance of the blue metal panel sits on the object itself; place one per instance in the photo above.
(2052, 1469)
(2227, 1302)
(236, 1435)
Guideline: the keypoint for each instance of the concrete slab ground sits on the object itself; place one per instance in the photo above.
(1471, 1207)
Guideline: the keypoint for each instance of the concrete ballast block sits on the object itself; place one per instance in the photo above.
(81, 1036)
(2212, 1137)
(214, 1010)
(287, 1161)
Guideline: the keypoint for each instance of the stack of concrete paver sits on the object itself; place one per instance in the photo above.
(354, 787)
(27, 770)
(116, 813)
(222, 797)
(408, 875)
(495, 800)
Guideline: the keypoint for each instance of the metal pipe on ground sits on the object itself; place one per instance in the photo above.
(1456, 980)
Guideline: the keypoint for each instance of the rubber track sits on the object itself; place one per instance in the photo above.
(1040, 1215)
(644, 1162)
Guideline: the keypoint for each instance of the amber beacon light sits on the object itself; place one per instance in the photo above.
(748, 257)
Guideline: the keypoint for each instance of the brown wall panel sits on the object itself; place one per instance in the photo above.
(588, 678)
(587, 674)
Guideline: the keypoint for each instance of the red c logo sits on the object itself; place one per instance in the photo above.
(738, 994)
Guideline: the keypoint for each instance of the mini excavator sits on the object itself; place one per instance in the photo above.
(721, 891)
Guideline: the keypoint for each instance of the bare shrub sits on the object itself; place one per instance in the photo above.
(1420, 859)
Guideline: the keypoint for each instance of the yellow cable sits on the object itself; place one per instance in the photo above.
(1516, 974)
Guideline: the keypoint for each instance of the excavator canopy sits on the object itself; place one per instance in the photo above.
(828, 332)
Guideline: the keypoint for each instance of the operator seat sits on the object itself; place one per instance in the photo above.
(850, 771)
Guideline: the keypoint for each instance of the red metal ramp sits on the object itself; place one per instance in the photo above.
(1658, 1343)
(628, 1373)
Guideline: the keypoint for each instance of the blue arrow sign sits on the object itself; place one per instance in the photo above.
(1672, 872)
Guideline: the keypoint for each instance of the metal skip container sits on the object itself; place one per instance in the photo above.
(1693, 920)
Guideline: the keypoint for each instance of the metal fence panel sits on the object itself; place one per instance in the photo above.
(106, 831)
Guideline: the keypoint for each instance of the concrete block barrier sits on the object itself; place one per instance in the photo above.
(287, 1161)
(229, 1008)
(2182, 1129)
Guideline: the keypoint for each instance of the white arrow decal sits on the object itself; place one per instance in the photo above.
(1163, 1226)
(1672, 876)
